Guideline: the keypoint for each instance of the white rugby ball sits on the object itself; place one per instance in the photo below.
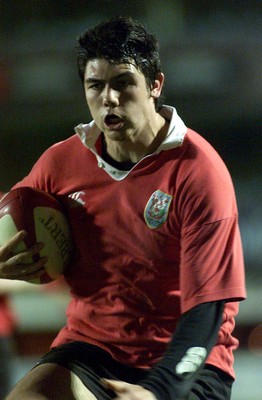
(42, 217)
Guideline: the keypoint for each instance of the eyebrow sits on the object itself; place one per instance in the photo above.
(124, 74)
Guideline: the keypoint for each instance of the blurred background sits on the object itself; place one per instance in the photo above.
(211, 55)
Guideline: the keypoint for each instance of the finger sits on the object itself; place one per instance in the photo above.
(23, 271)
(16, 265)
(117, 386)
(26, 256)
(35, 249)
(18, 237)
(8, 247)
(31, 276)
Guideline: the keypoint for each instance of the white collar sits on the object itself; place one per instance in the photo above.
(89, 133)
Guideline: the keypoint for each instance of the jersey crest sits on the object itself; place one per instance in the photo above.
(156, 210)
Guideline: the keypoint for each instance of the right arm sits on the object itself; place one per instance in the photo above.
(15, 266)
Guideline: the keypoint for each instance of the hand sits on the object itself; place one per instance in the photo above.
(17, 266)
(127, 391)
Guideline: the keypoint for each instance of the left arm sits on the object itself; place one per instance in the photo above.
(174, 375)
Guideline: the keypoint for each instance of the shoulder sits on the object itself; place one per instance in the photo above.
(63, 152)
(200, 148)
(202, 161)
(206, 189)
(56, 164)
(72, 143)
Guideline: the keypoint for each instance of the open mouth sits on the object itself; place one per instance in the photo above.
(114, 122)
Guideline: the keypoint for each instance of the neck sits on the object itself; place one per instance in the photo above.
(137, 147)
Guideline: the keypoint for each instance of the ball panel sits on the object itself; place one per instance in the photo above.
(7, 230)
(52, 229)
(18, 204)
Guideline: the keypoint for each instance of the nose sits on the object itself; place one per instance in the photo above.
(111, 97)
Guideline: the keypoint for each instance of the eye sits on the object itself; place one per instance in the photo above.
(95, 86)
(121, 84)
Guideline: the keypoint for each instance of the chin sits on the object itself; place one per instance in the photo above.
(115, 135)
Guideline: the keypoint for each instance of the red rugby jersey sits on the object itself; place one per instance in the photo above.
(150, 243)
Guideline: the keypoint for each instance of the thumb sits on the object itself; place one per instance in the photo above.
(117, 386)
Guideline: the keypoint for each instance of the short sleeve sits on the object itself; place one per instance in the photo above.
(211, 265)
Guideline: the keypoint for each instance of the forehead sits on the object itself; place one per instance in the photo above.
(102, 69)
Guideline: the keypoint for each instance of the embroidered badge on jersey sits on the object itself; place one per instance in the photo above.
(156, 210)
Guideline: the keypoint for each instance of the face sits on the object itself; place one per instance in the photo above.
(119, 99)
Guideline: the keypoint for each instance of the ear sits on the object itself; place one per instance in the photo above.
(157, 86)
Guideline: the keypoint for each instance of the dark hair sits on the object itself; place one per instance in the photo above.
(121, 40)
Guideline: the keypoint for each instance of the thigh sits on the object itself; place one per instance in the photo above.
(90, 364)
(50, 382)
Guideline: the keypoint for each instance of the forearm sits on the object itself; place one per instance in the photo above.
(192, 341)
(8, 286)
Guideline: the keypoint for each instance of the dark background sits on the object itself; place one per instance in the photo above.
(211, 56)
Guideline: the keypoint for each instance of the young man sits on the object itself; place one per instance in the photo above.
(158, 271)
